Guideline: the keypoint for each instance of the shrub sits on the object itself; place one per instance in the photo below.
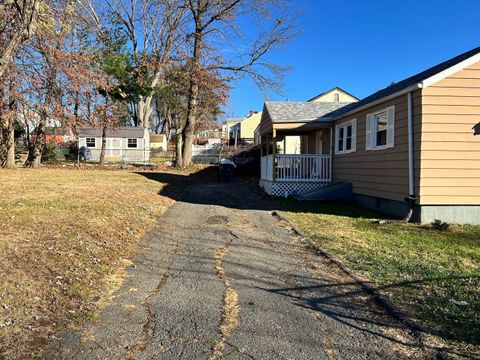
(49, 152)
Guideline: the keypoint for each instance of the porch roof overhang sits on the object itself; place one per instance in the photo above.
(296, 117)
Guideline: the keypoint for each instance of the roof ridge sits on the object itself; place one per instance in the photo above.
(411, 80)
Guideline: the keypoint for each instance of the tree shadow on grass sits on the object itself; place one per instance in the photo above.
(204, 187)
(342, 302)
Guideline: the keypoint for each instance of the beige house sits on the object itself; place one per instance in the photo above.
(248, 126)
(158, 142)
(413, 140)
(126, 143)
(334, 95)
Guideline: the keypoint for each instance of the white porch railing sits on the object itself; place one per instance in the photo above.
(301, 168)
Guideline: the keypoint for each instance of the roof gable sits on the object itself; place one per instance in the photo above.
(324, 94)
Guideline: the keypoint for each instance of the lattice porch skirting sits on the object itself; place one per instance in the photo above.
(288, 188)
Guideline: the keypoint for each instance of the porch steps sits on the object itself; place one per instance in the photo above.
(341, 191)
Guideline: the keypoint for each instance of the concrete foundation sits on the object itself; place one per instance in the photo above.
(392, 207)
(456, 214)
(425, 214)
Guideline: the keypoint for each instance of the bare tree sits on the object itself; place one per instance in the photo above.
(217, 29)
(154, 31)
(18, 24)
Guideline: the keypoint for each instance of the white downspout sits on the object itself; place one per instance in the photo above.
(411, 174)
(411, 199)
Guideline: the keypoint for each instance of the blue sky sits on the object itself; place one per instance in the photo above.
(363, 46)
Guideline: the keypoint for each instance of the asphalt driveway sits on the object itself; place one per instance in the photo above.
(219, 277)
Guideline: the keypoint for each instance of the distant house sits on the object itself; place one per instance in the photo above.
(248, 126)
(123, 143)
(231, 129)
(53, 135)
(413, 140)
(335, 95)
(158, 142)
(213, 134)
(243, 129)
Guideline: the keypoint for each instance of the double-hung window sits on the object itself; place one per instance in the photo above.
(90, 142)
(380, 132)
(346, 134)
(132, 143)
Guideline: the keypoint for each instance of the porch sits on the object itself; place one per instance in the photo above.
(290, 168)
(286, 174)
(296, 141)
(295, 161)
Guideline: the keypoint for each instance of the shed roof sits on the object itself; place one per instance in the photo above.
(288, 112)
(118, 132)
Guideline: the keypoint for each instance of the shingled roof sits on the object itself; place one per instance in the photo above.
(287, 111)
(408, 82)
(130, 132)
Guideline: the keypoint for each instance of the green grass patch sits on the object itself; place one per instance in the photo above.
(422, 268)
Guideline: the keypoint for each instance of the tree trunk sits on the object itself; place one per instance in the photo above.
(145, 108)
(104, 145)
(145, 111)
(178, 148)
(36, 149)
(10, 156)
(10, 161)
(192, 99)
(3, 123)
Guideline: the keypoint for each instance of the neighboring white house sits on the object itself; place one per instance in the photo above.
(123, 143)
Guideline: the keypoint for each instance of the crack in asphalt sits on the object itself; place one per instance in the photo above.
(230, 308)
(149, 326)
(214, 282)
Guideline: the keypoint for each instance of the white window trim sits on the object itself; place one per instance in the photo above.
(344, 125)
(131, 147)
(371, 133)
(94, 141)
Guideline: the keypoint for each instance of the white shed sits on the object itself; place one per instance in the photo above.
(126, 143)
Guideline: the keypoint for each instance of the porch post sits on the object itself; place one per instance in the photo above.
(261, 146)
(330, 173)
(274, 150)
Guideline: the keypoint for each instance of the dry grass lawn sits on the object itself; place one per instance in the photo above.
(65, 236)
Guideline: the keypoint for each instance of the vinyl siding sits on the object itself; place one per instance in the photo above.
(117, 149)
(381, 173)
(450, 157)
